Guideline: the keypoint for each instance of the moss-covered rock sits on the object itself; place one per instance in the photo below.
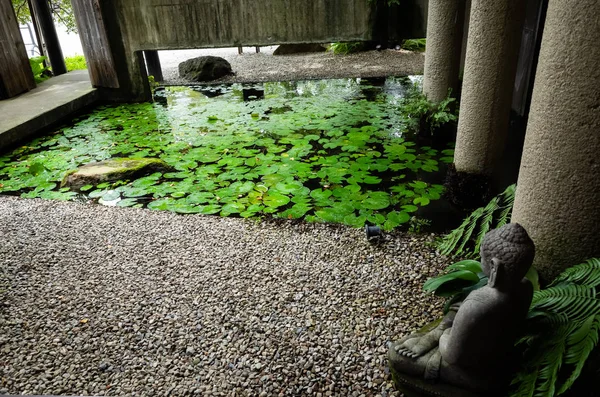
(113, 170)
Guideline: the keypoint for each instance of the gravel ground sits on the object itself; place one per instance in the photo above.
(115, 301)
(264, 66)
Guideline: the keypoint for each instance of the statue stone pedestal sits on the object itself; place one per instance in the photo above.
(413, 386)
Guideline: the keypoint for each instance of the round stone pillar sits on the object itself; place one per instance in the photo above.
(490, 67)
(445, 23)
(558, 191)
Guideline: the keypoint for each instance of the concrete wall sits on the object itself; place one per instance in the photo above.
(181, 24)
(168, 24)
(135, 25)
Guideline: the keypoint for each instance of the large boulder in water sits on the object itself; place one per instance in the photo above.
(205, 68)
(113, 170)
(289, 49)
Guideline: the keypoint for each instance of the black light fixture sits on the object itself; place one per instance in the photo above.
(372, 232)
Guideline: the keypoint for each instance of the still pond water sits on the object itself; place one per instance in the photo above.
(326, 150)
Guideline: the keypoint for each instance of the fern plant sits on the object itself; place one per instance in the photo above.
(346, 48)
(466, 239)
(414, 45)
(418, 109)
(563, 328)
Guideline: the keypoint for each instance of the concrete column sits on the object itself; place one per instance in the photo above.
(558, 191)
(445, 22)
(490, 67)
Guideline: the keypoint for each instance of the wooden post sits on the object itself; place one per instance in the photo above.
(36, 30)
(15, 72)
(96, 46)
(153, 65)
(42, 13)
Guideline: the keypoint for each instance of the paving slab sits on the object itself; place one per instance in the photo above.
(50, 102)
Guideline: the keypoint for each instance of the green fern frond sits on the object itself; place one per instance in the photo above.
(526, 384)
(581, 344)
(552, 361)
(486, 221)
(506, 211)
(468, 232)
(577, 302)
(563, 328)
(587, 273)
(466, 239)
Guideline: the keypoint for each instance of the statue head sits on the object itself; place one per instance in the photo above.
(506, 255)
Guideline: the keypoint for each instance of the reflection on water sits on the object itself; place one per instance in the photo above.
(376, 98)
(386, 89)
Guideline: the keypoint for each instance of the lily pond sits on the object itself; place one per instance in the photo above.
(323, 151)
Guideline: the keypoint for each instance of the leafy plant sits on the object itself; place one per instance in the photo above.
(466, 239)
(563, 328)
(153, 84)
(442, 113)
(414, 45)
(76, 62)
(459, 280)
(419, 109)
(345, 48)
(463, 277)
(40, 71)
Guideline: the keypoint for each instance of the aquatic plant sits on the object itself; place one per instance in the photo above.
(313, 150)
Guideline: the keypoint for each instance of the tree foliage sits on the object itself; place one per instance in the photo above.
(62, 11)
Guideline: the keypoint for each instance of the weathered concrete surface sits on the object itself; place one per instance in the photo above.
(558, 194)
(23, 116)
(445, 24)
(170, 24)
(490, 67)
(135, 25)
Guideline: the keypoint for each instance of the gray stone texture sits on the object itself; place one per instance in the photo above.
(204, 68)
(490, 67)
(558, 194)
(154, 303)
(445, 22)
(113, 170)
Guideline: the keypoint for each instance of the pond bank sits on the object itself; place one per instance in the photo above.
(111, 301)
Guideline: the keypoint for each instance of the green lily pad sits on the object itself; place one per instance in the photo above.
(275, 200)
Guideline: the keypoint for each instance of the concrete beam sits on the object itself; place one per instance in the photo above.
(558, 193)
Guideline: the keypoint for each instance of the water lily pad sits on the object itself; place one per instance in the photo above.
(376, 201)
(274, 200)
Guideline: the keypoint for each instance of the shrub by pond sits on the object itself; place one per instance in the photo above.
(327, 151)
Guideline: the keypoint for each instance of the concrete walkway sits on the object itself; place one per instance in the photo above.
(50, 102)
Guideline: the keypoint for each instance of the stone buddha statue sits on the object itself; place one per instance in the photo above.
(471, 347)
